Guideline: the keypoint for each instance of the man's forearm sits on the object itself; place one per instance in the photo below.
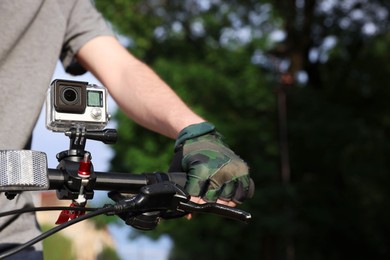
(150, 102)
(139, 92)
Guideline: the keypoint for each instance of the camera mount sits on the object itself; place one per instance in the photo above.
(76, 163)
(78, 138)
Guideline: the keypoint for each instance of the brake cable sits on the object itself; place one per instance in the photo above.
(54, 230)
(37, 209)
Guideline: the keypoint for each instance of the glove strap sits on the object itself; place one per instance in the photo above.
(194, 130)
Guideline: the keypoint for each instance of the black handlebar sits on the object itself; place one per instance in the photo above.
(120, 182)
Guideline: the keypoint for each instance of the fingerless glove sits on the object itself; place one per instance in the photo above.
(213, 170)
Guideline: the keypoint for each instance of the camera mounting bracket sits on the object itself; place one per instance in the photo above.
(70, 160)
(78, 138)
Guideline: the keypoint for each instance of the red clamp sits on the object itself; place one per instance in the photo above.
(85, 166)
(67, 215)
(84, 172)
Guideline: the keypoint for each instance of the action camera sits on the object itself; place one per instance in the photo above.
(76, 104)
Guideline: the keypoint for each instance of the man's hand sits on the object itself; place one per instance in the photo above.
(214, 172)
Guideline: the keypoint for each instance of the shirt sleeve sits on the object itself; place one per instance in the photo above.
(84, 23)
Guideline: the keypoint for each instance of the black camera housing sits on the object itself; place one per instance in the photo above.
(70, 98)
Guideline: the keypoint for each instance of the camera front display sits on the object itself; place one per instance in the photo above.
(76, 104)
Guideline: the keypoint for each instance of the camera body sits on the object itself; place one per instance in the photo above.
(71, 104)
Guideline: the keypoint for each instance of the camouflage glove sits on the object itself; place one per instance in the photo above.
(213, 170)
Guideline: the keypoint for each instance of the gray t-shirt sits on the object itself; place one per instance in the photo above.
(34, 34)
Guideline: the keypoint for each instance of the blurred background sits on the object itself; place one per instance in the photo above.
(299, 90)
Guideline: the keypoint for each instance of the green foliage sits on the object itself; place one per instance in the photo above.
(102, 221)
(335, 206)
(139, 150)
(108, 253)
(221, 84)
(57, 246)
(340, 159)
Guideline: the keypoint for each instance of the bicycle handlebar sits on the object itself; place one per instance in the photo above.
(153, 195)
(154, 192)
(144, 184)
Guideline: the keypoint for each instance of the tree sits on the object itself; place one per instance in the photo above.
(337, 130)
(223, 59)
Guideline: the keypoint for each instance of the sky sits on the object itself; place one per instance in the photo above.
(52, 143)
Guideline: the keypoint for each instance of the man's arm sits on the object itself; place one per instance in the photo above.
(138, 91)
(150, 102)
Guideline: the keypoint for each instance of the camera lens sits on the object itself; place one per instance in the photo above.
(69, 96)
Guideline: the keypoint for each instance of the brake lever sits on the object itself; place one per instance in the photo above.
(181, 205)
(174, 202)
(217, 209)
